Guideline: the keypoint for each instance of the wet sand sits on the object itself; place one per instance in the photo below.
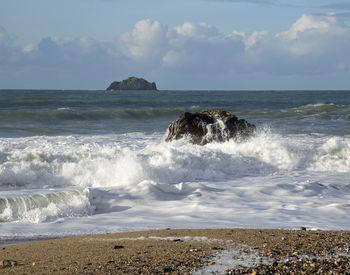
(220, 251)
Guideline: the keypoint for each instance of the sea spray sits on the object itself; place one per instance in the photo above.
(333, 155)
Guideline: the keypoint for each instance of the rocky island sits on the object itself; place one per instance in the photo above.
(132, 83)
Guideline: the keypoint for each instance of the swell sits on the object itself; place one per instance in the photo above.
(88, 114)
(315, 111)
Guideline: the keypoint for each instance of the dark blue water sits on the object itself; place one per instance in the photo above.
(56, 112)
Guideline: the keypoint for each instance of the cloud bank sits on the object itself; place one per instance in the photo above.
(313, 53)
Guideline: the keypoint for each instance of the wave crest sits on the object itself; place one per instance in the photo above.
(44, 207)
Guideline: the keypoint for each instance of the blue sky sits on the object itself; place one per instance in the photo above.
(183, 44)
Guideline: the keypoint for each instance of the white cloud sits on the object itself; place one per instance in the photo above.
(200, 31)
(173, 58)
(254, 38)
(29, 48)
(147, 40)
(312, 46)
(310, 24)
(314, 36)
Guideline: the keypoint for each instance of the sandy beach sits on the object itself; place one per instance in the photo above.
(216, 251)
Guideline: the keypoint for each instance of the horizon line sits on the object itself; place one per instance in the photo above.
(175, 90)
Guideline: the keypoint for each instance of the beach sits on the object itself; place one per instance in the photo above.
(203, 251)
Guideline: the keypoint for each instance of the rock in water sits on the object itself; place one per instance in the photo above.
(132, 83)
(207, 126)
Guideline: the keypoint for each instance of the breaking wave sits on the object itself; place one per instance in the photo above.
(125, 160)
(44, 206)
(145, 163)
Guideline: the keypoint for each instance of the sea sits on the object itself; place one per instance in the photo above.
(89, 162)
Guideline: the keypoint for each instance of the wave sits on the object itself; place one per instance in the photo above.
(332, 156)
(319, 106)
(44, 206)
(324, 111)
(309, 111)
(123, 161)
(320, 111)
(91, 114)
(311, 118)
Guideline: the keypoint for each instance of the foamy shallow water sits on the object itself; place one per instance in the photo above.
(69, 185)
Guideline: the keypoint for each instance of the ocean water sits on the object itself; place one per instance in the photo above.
(86, 162)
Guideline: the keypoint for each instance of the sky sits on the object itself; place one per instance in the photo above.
(182, 44)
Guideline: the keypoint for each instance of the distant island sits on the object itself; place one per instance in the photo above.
(132, 83)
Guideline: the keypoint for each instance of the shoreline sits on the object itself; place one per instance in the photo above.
(15, 241)
(183, 251)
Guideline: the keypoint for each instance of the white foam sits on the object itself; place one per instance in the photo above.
(233, 258)
(104, 162)
(333, 155)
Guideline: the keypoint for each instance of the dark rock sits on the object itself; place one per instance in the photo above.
(167, 269)
(217, 248)
(208, 126)
(8, 263)
(178, 240)
(132, 83)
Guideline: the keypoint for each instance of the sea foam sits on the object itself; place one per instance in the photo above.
(43, 162)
